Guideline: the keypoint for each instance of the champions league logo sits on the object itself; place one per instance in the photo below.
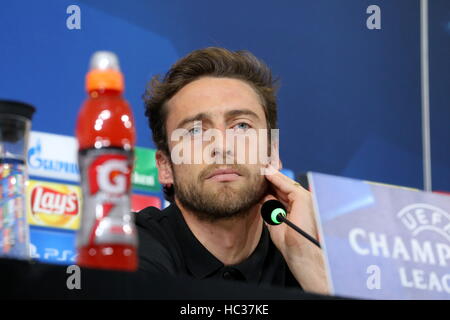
(421, 217)
(422, 247)
(381, 241)
(424, 220)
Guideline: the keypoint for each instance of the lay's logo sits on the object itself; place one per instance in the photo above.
(53, 205)
(50, 201)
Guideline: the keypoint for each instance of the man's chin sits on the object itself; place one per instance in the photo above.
(220, 192)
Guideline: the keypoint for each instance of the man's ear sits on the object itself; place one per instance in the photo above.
(165, 174)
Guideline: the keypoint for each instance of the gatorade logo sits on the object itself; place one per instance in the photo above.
(110, 174)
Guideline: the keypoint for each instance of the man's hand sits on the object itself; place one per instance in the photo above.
(305, 260)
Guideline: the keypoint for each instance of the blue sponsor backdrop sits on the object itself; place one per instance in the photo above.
(440, 92)
(52, 246)
(349, 102)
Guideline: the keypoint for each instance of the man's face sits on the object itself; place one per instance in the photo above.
(220, 104)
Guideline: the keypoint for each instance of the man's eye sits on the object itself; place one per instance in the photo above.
(195, 130)
(242, 126)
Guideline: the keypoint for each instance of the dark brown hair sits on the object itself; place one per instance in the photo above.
(213, 62)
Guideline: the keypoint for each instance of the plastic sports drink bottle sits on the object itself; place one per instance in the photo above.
(106, 137)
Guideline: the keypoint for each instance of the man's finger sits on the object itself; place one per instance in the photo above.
(284, 183)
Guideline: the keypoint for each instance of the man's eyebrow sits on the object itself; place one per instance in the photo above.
(206, 116)
(241, 112)
(202, 116)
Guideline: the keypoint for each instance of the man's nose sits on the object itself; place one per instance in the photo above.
(221, 148)
(221, 152)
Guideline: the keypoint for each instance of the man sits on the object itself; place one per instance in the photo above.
(213, 227)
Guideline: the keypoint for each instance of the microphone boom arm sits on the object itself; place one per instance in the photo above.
(293, 226)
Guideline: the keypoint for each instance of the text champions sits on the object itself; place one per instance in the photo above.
(430, 253)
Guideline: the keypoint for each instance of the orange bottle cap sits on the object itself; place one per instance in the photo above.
(104, 72)
(104, 79)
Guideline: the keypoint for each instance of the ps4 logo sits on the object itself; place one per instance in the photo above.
(37, 162)
(53, 254)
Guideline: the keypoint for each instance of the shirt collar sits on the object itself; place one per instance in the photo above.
(201, 263)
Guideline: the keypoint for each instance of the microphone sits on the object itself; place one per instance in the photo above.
(274, 213)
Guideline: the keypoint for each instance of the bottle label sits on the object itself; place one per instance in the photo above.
(14, 230)
(106, 215)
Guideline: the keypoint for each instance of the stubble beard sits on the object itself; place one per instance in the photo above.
(223, 202)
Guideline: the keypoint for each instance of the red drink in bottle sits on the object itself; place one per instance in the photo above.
(106, 137)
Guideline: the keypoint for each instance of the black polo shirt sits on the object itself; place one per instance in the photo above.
(166, 244)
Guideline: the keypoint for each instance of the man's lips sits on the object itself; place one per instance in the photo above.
(223, 175)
